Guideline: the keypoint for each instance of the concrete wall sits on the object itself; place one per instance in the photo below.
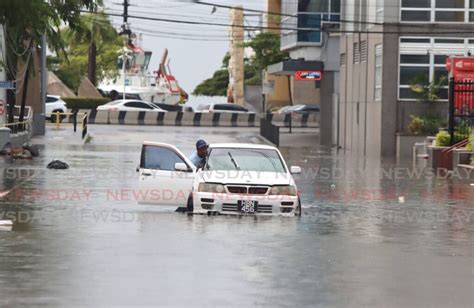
(406, 109)
(360, 115)
(328, 85)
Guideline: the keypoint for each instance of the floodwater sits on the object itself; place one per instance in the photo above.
(371, 234)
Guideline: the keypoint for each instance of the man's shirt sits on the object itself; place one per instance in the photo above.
(197, 160)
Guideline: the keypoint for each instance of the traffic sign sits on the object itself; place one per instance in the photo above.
(268, 86)
(308, 75)
(7, 84)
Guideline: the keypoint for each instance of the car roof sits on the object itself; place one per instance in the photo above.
(242, 146)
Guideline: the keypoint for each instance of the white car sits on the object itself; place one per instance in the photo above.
(222, 108)
(237, 179)
(130, 105)
(53, 105)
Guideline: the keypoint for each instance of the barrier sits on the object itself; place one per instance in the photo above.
(99, 117)
(296, 120)
(199, 119)
(84, 126)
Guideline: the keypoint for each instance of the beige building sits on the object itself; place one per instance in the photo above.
(311, 49)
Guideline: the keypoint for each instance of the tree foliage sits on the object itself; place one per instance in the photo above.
(26, 21)
(92, 27)
(425, 90)
(266, 47)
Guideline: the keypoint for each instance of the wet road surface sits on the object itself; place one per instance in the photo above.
(371, 234)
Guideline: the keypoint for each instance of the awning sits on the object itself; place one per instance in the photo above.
(289, 67)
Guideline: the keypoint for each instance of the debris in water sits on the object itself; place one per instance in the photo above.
(57, 164)
(6, 223)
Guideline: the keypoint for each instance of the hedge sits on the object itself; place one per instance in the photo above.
(85, 102)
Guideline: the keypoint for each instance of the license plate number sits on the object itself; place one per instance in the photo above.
(248, 206)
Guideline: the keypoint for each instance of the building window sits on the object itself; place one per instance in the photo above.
(343, 59)
(356, 53)
(424, 59)
(437, 11)
(379, 11)
(363, 51)
(378, 72)
(308, 14)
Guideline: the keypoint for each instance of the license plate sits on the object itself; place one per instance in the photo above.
(247, 206)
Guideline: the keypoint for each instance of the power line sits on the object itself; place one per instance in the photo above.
(454, 31)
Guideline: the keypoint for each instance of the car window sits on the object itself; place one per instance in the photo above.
(138, 105)
(262, 160)
(50, 99)
(112, 103)
(168, 107)
(232, 107)
(311, 108)
(222, 107)
(160, 158)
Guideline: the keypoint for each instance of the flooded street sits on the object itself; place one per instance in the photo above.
(371, 234)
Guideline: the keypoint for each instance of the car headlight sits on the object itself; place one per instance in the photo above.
(211, 188)
(283, 190)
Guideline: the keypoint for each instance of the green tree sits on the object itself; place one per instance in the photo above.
(92, 29)
(266, 47)
(425, 90)
(98, 59)
(25, 22)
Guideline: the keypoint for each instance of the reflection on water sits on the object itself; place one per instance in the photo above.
(355, 245)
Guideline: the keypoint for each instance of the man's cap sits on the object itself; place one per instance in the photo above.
(201, 144)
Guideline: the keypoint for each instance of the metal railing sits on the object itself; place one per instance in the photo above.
(269, 131)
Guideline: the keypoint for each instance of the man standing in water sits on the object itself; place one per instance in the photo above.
(199, 156)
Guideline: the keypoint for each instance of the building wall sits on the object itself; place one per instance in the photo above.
(367, 126)
(360, 114)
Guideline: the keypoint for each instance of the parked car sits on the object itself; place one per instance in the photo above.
(223, 108)
(168, 107)
(306, 109)
(237, 179)
(302, 109)
(130, 105)
(53, 105)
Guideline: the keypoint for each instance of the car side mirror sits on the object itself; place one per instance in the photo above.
(181, 167)
(295, 170)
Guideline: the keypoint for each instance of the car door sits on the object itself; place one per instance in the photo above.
(159, 182)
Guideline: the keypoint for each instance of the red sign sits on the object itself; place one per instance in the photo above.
(309, 75)
(462, 70)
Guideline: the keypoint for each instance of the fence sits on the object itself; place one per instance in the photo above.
(270, 132)
(461, 109)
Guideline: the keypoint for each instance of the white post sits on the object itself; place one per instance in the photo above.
(124, 72)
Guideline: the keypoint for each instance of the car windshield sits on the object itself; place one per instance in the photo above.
(263, 160)
(114, 103)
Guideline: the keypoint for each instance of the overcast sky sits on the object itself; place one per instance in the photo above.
(196, 51)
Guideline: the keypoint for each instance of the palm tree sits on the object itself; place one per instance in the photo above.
(26, 21)
(93, 28)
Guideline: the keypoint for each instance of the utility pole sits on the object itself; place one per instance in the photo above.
(236, 62)
(125, 27)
